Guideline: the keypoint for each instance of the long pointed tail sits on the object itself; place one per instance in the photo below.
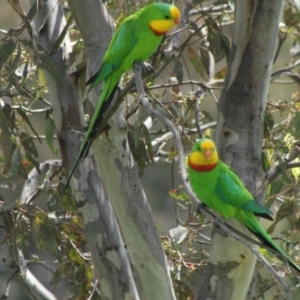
(106, 97)
(260, 233)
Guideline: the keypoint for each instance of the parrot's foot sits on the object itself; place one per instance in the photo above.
(147, 68)
(219, 222)
(200, 207)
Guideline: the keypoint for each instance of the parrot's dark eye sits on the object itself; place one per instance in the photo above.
(167, 17)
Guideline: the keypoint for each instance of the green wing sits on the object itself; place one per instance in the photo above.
(105, 70)
(122, 43)
(231, 191)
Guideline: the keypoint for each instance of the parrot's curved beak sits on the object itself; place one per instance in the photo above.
(207, 153)
(175, 14)
(177, 21)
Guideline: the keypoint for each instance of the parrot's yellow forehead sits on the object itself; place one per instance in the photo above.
(175, 12)
(207, 145)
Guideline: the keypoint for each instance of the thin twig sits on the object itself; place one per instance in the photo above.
(212, 9)
(283, 71)
(8, 284)
(46, 266)
(284, 164)
(204, 86)
(32, 111)
(197, 119)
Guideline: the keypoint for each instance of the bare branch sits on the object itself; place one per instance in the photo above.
(284, 164)
(46, 168)
(204, 86)
(156, 114)
(284, 71)
(32, 111)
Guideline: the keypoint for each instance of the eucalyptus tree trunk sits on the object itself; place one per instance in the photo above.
(239, 137)
(120, 173)
(100, 226)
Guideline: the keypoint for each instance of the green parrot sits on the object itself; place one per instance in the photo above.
(137, 37)
(216, 185)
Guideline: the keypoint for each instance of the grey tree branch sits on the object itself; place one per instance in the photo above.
(286, 163)
(30, 110)
(156, 114)
(284, 71)
(35, 176)
(203, 85)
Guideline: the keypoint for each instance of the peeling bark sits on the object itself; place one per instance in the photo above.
(133, 212)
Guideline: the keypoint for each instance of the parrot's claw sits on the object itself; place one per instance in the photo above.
(219, 222)
(200, 207)
(147, 68)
